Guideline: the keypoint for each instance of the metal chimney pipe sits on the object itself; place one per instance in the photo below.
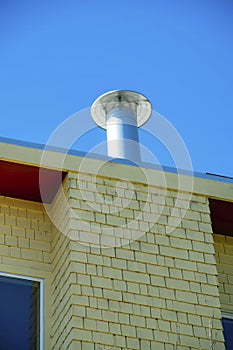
(121, 113)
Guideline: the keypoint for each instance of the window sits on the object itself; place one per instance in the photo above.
(227, 322)
(21, 318)
(221, 216)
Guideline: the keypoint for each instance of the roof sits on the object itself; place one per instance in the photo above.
(21, 164)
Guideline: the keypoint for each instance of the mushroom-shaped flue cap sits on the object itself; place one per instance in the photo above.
(138, 103)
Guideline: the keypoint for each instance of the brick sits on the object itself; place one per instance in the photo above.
(212, 279)
(31, 254)
(164, 325)
(4, 250)
(42, 236)
(173, 252)
(136, 277)
(145, 257)
(125, 254)
(205, 268)
(144, 333)
(169, 315)
(103, 338)
(203, 208)
(151, 323)
(210, 259)
(111, 294)
(115, 328)
(209, 289)
(178, 232)
(196, 256)
(189, 341)
(157, 270)
(101, 282)
(116, 220)
(132, 343)
(186, 265)
(40, 245)
(203, 247)
(129, 331)
(2, 219)
(191, 225)
(148, 248)
(177, 284)
(205, 217)
(194, 319)
(10, 220)
(193, 215)
(229, 240)
(82, 334)
(201, 277)
(11, 241)
(137, 320)
(123, 318)
(15, 252)
(162, 240)
(182, 317)
(166, 293)
(5, 209)
(120, 341)
(23, 242)
(181, 243)
(195, 287)
(22, 222)
(205, 227)
(17, 231)
(209, 300)
(176, 273)
(158, 281)
(186, 296)
(194, 235)
(46, 257)
(5, 229)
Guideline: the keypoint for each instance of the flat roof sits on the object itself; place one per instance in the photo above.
(21, 161)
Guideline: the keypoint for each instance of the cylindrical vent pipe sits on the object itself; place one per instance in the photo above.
(121, 113)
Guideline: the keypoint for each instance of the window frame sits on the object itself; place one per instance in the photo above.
(227, 315)
(41, 282)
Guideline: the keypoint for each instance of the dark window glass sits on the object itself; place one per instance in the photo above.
(228, 332)
(19, 314)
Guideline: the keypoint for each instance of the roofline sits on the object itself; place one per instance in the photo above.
(169, 169)
(23, 152)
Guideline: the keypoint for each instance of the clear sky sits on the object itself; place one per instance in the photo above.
(57, 57)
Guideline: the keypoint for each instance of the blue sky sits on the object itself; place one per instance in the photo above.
(57, 57)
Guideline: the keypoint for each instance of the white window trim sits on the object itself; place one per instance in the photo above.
(227, 314)
(41, 281)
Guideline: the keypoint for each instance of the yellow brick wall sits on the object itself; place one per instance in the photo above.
(224, 257)
(149, 290)
(25, 234)
(25, 244)
(159, 291)
(61, 277)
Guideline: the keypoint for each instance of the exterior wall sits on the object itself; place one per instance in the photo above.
(149, 289)
(224, 258)
(25, 240)
(159, 291)
(25, 234)
(61, 276)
